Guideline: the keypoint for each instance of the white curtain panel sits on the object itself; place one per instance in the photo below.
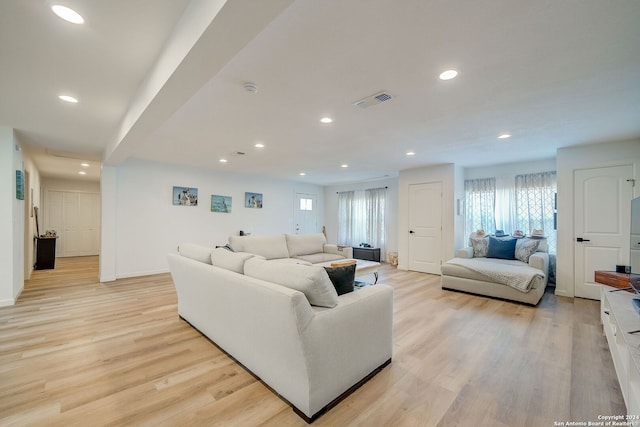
(361, 218)
(480, 205)
(535, 204)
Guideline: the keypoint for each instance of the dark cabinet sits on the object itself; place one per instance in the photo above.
(368, 254)
(45, 253)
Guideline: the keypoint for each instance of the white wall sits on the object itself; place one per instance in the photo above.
(34, 190)
(140, 225)
(568, 160)
(391, 214)
(12, 220)
(510, 170)
(446, 174)
(77, 185)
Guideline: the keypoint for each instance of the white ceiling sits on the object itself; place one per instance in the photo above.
(551, 73)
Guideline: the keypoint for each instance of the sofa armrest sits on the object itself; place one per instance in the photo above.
(540, 260)
(465, 253)
(349, 341)
(345, 251)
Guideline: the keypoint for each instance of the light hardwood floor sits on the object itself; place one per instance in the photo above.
(74, 351)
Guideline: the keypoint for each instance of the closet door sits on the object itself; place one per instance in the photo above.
(76, 218)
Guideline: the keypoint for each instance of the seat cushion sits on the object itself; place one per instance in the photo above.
(270, 247)
(320, 257)
(195, 252)
(305, 244)
(311, 280)
(232, 261)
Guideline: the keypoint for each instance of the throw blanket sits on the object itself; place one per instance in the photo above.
(520, 278)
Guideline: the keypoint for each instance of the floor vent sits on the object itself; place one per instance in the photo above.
(373, 100)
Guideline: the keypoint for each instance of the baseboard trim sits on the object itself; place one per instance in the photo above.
(298, 412)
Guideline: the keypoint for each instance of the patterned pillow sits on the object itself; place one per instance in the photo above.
(480, 246)
(525, 248)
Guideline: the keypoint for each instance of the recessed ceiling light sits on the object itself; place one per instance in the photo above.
(223, 160)
(67, 98)
(410, 153)
(302, 174)
(67, 14)
(344, 166)
(448, 75)
(82, 173)
(326, 120)
(259, 145)
(85, 165)
(504, 136)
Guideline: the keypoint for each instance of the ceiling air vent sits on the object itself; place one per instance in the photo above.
(373, 100)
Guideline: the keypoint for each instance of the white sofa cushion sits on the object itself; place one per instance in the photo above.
(195, 252)
(305, 244)
(233, 261)
(311, 280)
(270, 247)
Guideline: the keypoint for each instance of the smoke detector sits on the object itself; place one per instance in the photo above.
(250, 87)
(374, 99)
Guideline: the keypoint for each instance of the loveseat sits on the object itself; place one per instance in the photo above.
(311, 247)
(516, 270)
(285, 323)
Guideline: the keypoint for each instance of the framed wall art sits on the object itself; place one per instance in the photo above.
(220, 204)
(185, 196)
(253, 200)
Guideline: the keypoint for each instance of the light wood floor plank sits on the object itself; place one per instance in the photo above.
(74, 351)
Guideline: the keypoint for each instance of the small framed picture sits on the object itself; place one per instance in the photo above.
(253, 200)
(185, 196)
(220, 204)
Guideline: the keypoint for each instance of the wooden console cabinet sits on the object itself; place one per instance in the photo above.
(611, 278)
(621, 324)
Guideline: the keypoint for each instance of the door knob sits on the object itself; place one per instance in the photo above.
(411, 231)
(580, 239)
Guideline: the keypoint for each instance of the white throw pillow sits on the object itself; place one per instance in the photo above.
(311, 280)
(195, 252)
(233, 261)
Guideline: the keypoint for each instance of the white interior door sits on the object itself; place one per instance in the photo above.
(602, 205)
(306, 213)
(425, 227)
(75, 216)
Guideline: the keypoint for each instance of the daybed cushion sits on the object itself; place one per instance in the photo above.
(195, 252)
(525, 248)
(311, 280)
(450, 269)
(270, 247)
(305, 244)
(233, 261)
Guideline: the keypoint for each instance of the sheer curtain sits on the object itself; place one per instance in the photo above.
(361, 217)
(480, 205)
(535, 204)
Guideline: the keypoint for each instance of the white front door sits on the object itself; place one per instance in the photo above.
(306, 214)
(602, 206)
(425, 227)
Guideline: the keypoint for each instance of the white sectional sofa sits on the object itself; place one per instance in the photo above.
(312, 248)
(512, 279)
(260, 312)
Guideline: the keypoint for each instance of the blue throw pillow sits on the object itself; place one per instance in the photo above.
(501, 248)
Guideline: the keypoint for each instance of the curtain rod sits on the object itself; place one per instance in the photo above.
(338, 192)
